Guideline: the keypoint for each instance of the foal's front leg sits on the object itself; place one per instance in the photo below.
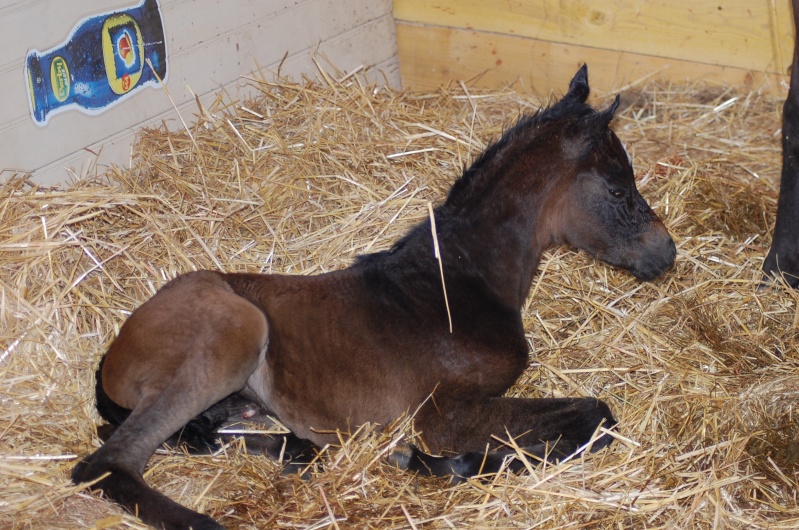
(546, 429)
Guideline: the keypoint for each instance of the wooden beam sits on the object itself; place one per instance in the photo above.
(434, 56)
(748, 34)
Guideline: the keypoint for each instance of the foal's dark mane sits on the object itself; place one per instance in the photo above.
(527, 128)
(523, 129)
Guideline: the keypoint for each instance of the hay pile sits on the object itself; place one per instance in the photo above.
(700, 367)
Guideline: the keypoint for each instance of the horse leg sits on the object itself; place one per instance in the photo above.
(125, 454)
(182, 352)
(783, 257)
(294, 452)
(198, 436)
(546, 429)
(201, 435)
(473, 463)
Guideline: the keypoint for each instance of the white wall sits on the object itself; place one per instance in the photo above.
(210, 45)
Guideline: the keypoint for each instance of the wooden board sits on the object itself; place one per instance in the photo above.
(210, 45)
(494, 60)
(721, 41)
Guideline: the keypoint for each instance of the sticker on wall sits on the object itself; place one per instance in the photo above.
(105, 60)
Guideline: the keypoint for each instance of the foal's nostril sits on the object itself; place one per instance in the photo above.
(669, 255)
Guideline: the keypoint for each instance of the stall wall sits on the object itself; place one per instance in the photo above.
(211, 44)
(538, 44)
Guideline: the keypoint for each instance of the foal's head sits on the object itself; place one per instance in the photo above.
(595, 205)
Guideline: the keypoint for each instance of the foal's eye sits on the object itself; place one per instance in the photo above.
(617, 192)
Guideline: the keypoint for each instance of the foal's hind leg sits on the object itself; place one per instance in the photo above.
(126, 453)
(472, 463)
(204, 433)
(191, 345)
(546, 429)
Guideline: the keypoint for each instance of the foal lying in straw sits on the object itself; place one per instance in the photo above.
(432, 324)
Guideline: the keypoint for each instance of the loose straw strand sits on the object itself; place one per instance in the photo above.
(440, 263)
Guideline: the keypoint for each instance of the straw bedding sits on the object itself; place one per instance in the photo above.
(700, 367)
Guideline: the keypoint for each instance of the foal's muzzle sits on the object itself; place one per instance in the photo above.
(655, 255)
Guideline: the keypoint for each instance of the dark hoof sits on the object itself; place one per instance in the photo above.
(458, 468)
(588, 416)
(85, 472)
(401, 456)
(602, 442)
(774, 278)
(781, 264)
(304, 471)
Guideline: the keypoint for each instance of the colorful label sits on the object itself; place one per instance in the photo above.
(123, 52)
(104, 60)
(59, 78)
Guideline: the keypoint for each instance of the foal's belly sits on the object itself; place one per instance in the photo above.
(313, 399)
(317, 382)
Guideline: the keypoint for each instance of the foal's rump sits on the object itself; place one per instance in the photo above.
(200, 342)
(192, 339)
(195, 331)
(183, 351)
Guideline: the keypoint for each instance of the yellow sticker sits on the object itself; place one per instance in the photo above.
(123, 52)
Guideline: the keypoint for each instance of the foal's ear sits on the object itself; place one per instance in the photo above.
(603, 118)
(595, 126)
(578, 87)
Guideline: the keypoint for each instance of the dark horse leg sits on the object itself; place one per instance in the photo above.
(182, 352)
(131, 437)
(545, 429)
(201, 435)
(783, 257)
(119, 463)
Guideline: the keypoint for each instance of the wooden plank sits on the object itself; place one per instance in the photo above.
(434, 56)
(750, 34)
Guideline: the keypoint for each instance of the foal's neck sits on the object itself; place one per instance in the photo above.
(493, 226)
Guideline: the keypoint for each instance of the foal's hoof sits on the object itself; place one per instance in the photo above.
(590, 415)
(775, 279)
(84, 471)
(602, 442)
(458, 468)
(781, 266)
(303, 470)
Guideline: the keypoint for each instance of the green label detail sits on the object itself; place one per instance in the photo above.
(59, 78)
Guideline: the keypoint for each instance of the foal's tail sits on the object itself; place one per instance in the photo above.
(109, 411)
